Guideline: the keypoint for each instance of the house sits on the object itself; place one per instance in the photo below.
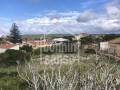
(39, 43)
(4, 47)
(60, 40)
(112, 46)
(115, 46)
(69, 37)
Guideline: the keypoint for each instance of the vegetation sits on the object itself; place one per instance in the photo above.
(12, 57)
(89, 51)
(2, 40)
(87, 40)
(26, 48)
(15, 36)
(97, 38)
(9, 79)
(107, 37)
(58, 71)
(95, 73)
(89, 71)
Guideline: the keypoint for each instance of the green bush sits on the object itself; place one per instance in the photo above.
(89, 51)
(26, 48)
(12, 83)
(12, 57)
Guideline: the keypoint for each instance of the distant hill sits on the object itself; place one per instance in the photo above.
(37, 36)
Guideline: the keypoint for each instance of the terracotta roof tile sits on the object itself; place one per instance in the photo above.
(7, 46)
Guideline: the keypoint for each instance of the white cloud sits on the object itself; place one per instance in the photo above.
(113, 9)
(3, 29)
(71, 22)
(4, 26)
(106, 24)
(63, 14)
(113, 12)
(76, 22)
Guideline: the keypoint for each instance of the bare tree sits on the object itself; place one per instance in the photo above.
(100, 75)
(49, 80)
(30, 74)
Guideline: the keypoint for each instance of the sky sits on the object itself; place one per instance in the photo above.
(60, 16)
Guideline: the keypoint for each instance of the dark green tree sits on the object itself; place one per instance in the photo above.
(108, 37)
(27, 48)
(87, 40)
(2, 40)
(15, 36)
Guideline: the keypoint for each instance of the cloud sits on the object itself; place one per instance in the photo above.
(51, 23)
(113, 9)
(86, 16)
(71, 22)
(4, 26)
(3, 29)
(109, 24)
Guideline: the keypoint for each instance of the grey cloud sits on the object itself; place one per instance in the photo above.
(86, 16)
(113, 9)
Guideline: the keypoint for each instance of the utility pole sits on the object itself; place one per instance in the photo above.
(78, 46)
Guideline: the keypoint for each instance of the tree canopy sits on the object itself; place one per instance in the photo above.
(86, 40)
(15, 36)
(107, 37)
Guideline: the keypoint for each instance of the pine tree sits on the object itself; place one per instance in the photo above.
(15, 36)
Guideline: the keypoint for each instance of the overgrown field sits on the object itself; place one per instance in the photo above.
(63, 72)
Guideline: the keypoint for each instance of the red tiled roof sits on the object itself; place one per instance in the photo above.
(38, 43)
(84, 33)
(7, 46)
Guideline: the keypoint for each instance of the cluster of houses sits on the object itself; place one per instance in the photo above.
(112, 47)
(39, 43)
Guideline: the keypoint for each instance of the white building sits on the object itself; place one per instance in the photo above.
(60, 40)
(4, 47)
(104, 45)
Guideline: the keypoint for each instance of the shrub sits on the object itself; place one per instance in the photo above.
(89, 51)
(11, 57)
(26, 48)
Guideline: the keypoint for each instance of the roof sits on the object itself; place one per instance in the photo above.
(7, 46)
(83, 33)
(60, 39)
(115, 41)
(39, 43)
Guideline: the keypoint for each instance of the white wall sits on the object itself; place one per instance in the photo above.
(104, 45)
(15, 47)
(2, 50)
